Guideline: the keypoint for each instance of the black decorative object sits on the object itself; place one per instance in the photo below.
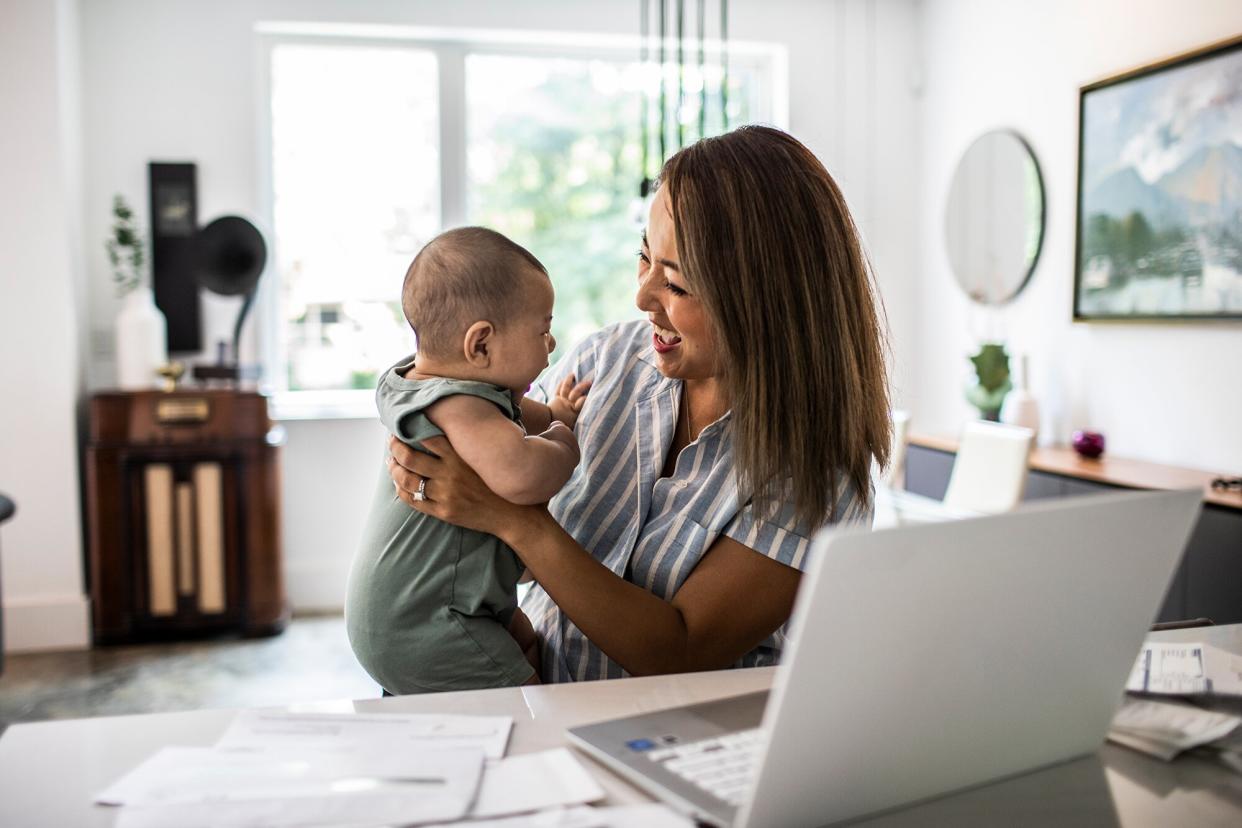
(7, 508)
(702, 75)
(663, 90)
(174, 219)
(229, 255)
(660, 52)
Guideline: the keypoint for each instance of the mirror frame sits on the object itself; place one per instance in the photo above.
(1043, 214)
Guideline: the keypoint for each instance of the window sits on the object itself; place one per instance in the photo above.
(356, 192)
(376, 145)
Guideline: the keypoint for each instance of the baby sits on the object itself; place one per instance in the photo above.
(429, 604)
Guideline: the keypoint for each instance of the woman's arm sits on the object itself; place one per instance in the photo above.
(716, 617)
(731, 602)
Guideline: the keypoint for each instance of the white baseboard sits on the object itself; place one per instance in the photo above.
(47, 622)
(316, 586)
(63, 622)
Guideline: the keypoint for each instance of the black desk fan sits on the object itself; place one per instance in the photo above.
(229, 255)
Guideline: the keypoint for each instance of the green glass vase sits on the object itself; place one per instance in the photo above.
(992, 381)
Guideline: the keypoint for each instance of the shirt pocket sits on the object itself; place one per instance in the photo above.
(664, 559)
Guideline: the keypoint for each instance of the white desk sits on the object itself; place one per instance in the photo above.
(50, 771)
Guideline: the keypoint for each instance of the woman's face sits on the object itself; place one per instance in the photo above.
(681, 332)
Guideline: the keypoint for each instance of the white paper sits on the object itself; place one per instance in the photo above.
(1165, 730)
(644, 816)
(581, 816)
(1175, 669)
(1152, 747)
(264, 730)
(533, 782)
(223, 787)
(1178, 721)
(372, 809)
(623, 816)
(1225, 670)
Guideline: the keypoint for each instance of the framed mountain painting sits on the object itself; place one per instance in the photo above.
(1159, 231)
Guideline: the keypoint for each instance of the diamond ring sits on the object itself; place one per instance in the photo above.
(421, 494)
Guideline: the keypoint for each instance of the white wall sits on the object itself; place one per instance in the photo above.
(1168, 393)
(176, 80)
(40, 290)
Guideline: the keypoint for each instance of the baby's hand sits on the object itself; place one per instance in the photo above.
(570, 397)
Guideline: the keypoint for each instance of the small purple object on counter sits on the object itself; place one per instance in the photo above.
(1089, 444)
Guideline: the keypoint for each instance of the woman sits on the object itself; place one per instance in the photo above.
(718, 435)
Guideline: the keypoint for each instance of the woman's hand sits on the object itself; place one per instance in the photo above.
(527, 639)
(452, 491)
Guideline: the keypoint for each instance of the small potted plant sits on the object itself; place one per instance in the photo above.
(992, 382)
(126, 251)
(141, 330)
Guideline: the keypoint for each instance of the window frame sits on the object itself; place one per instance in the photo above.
(451, 48)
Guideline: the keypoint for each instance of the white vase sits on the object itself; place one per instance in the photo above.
(1020, 407)
(141, 341)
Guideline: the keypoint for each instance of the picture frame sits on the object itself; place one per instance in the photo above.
(1158, 228)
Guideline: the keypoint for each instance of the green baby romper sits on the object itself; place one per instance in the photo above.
(428, 604)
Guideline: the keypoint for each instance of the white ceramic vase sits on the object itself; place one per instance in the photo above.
(141, 341)
(1020, 407)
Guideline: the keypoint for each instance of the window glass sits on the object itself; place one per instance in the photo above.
(355, 178)
(555, 158)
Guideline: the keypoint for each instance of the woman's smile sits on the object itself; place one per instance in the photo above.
(664, 340)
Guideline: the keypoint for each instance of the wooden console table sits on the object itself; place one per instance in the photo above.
(1118, 472)
(1208, 582)
(183, 508)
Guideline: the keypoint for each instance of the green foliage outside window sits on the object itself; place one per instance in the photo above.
(566, 187)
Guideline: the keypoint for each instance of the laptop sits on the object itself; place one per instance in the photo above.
(923, 660)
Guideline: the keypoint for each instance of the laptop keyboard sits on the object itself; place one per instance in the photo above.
(723, 765)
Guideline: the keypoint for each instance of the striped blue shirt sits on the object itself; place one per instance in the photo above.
(650, 530)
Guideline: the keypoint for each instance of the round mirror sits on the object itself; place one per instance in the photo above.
(994, 221)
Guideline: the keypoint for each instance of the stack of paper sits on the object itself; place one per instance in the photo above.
(628, 816)
(286, 769)
(214, 786)
(1165, 730)
(259, 730)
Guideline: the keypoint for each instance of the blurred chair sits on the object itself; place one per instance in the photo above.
(7, 508)
(892, 476)
(989, 472)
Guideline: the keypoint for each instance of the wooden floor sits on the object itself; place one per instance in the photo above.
(310, 661)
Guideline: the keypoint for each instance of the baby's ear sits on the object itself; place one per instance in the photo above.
(477, 344)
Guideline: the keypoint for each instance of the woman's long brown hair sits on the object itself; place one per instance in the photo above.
(767, 243)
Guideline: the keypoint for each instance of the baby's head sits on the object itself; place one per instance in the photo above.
(481, 308)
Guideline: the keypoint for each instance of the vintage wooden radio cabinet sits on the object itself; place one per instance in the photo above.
(183, 509)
